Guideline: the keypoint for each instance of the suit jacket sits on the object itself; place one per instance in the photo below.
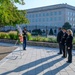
(59, 36)
(24, 34)
(64, 37)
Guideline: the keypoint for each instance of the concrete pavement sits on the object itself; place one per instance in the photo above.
(36, 61)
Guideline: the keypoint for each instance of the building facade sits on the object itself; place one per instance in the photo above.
(51, 16)
(47, 17)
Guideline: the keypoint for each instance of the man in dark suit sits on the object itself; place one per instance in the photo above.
(59, 36)
(63, 41)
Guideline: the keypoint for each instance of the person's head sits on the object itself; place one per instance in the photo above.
(69, 32)
(24, 28)
(59, 28)
(64, 30)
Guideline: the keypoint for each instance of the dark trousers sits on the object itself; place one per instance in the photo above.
(24, 43)
(69, 54)
(64, 50)
(60, 48)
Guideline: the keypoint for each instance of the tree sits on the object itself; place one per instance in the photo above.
(55, 31)
(14, 1)
(10, 15)
(36, 32)
(66, 25)
(51, 32)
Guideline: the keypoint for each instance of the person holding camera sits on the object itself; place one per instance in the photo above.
(24, 38)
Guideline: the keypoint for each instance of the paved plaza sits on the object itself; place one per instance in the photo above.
(36, 61)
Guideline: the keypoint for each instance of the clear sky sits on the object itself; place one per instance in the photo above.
(39, 3)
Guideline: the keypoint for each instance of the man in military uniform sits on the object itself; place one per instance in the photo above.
(59, 36)
(63, 41)
(24, 38)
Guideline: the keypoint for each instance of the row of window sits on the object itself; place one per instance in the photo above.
(44, 14)
(73, 25)
(71, 14)
(46, 19)
(47, 24)
(71, 19)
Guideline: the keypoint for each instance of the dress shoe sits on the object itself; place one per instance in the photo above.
(24, 49)
(63, 56)
(69, 61)
(59, 53)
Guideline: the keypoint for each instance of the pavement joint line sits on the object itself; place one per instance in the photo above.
(4, 60)
(40, 51)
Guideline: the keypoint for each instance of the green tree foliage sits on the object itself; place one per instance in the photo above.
(36, 32)
(55, 31)
(66, 25)
(10, 15)
(13, 1)
(51, 32)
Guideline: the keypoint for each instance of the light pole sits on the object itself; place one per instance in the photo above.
(46, 31)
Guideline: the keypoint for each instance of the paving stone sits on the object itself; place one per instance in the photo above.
(63, 73)
(71, 72)
(38, 61)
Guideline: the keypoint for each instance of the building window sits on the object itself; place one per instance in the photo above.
(39, 14)
(55, 18)
(59, 18)
(51, 13)
(36, 20)
(36, 15)
(43, 14)
(68, 13)
(68, 18)
(73, 25)
(39, 19)
(33, 20)
(47, 14)
(51, 19)
(59, 12)
(43, 19)
(73, 14)
(73, 19)
(47, 19)
(55, 13)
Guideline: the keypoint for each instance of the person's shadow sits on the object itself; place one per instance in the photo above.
(43, 67)
(55, 71)
(30, 65)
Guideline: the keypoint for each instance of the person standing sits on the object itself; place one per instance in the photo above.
(63, 42)
(59, 36)
(69, 45)
(24, 38)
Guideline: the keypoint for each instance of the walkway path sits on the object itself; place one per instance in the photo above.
(36, 61)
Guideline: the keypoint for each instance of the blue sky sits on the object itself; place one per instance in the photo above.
(39, 3)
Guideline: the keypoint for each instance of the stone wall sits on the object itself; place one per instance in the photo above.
(34, 43)
(8, 41)
(45, 44)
